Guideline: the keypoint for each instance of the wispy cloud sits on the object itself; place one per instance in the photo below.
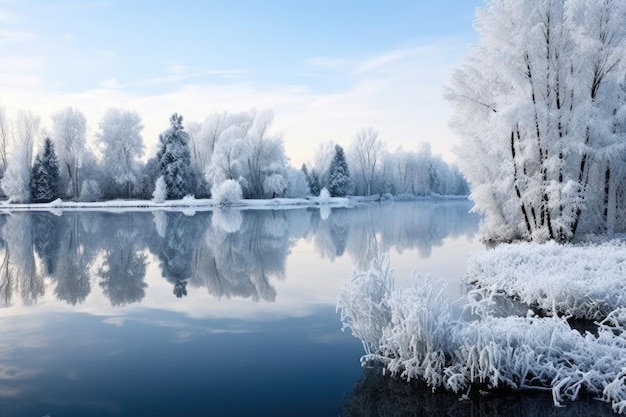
(12, 36)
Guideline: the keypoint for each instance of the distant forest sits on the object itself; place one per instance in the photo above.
(227, 154)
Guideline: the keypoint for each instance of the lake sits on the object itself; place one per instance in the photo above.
(225, 312)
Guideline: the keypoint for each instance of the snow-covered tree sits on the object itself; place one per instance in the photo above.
(266, 153)
(297, 184)
(69, 135)
(321, 163)
(314, 182)
(120, 137)
(16, 181)
(44, 179)
(274, 185)
(339, 181)
(175, 160)
(365, 153)
(90, 191)
(229, 159)
(5, 138)
(539, 103)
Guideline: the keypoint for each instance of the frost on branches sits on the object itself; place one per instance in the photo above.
(413, 334)
(539, 103)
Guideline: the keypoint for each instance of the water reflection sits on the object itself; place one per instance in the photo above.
(228, 253)
(378, 395)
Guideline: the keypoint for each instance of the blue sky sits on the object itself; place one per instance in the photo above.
(326, 68)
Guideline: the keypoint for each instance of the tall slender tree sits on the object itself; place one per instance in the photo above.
(175, 160)
(44, 179)
(339, 181)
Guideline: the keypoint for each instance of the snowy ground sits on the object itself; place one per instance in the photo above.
(190, 203)
(586, 281)
(415, 335)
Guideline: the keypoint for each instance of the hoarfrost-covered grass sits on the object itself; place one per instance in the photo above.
(413, 333)
(585, 281)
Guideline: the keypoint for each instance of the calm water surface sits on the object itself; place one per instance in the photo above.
(225, 313)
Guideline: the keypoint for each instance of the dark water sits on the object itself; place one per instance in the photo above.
(226, 313)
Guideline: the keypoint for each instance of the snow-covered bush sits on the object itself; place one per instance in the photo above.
(90, 191)
(414, 335)
(324, 197)
(228, 192)
(160, 190)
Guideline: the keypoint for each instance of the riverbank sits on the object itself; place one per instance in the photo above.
(414, 334)
(190, 203)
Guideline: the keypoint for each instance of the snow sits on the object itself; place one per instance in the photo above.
(585, 281)
(414, 334)
(185, 203)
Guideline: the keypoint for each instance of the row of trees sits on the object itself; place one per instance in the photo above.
(540, 104)
(234, 151)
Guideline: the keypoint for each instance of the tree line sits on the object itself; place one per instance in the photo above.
(227, 156)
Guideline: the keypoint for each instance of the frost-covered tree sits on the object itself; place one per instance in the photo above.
(90, 191)
(339, 181)
(266, 154)
(321, 163)
(16, 181)
(539, 103)
(120, 137)
(229, 159)
(5, 138)
(69, 135)
(274, 185)
(44, 178)
(314, 182)
(175, 160)
(366, 154)
(297, 184)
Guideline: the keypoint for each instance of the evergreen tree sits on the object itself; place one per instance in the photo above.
(339, 181)
(314, 183)
(44, 180)
(175, 160)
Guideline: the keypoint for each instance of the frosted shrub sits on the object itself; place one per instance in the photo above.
(160, 190)
(228, 192)
(364, 304)
(324, 197)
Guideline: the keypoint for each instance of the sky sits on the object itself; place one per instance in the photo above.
(326, 68)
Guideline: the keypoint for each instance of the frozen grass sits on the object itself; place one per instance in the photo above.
(585, 281)
(414, 335)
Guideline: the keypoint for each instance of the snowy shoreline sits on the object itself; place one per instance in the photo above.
(584, 281)
(413, 333)
(188, 203)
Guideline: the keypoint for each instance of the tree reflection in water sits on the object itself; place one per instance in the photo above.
(227, 252)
